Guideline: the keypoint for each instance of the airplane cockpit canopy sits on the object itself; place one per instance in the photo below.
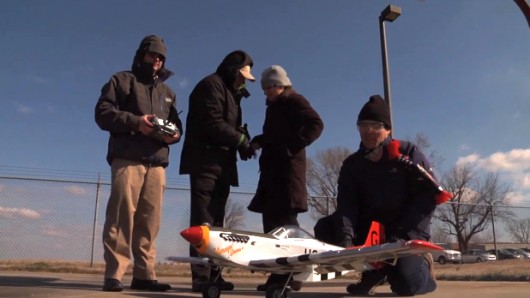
(289, 231)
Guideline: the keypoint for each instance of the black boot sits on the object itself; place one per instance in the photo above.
(149, 285)
(273, 279)
(112, 285)
(369, 281)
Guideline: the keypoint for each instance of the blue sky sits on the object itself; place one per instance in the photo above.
(460, 73)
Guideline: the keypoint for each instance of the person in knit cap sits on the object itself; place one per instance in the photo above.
(291, 124)
(138, 154)
(214, 137)
(374, 186)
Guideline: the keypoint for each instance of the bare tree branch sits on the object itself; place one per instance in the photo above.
(519, 229)
(322, 178)
(234, 215)
(475, 198)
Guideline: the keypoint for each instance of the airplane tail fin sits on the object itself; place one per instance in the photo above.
(376, 235)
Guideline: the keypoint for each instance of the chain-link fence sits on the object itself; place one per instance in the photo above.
(63, 220)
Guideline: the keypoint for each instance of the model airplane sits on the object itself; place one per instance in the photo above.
(291, 250)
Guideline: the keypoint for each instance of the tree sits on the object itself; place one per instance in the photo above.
(234, 214)
(519, 229)
(438, 235)
(475, 197)
(322, 179)
(422, 142)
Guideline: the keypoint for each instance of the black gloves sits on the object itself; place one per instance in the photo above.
(347, 241)
(245, 150)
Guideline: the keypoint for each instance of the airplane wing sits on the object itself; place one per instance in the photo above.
(357, 258)
(201, 261)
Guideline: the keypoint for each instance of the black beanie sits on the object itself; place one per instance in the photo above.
(376, 109)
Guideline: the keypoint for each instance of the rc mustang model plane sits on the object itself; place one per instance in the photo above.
(291, 250)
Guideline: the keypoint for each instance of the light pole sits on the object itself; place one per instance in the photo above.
(493, 227)
(390, 13)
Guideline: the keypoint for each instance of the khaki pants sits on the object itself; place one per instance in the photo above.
(133, 219)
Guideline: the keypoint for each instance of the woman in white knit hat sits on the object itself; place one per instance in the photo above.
(291, 124)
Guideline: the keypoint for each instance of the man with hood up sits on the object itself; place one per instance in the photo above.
(138, 155)
(213, 137)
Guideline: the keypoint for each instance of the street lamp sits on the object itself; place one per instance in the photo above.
(493, 226)
(390, 13)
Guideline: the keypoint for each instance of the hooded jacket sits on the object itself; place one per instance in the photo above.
(126, 98)
(212, 135)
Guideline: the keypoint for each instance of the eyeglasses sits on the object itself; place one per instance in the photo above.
(155, 56)
(365, 126)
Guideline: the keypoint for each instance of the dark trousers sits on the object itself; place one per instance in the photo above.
(410, 276)
(208, 202)
(273, 220)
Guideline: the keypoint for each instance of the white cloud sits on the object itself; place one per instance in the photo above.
(516, 160)
(183, 83)
(18, 213)
(37, 79)
(50, 231)
(22, 109)
(512, 166)
(75, 190)
(472, 158)
(464, 147)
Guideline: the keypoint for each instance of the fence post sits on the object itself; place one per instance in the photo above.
(95, 222)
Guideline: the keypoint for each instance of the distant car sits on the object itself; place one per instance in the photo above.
(446, 255)
(504, 254)
(524, 253)
(477, 256)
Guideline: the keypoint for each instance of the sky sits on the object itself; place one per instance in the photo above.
(459, 71)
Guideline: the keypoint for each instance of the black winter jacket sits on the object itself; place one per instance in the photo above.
(291, 124)
(385, 191)
(213, 122)
(123, 101)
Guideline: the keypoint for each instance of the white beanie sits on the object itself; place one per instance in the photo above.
(273, 76)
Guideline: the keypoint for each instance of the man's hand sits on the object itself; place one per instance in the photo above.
(245, 150)
(171, 139)
(145, 126)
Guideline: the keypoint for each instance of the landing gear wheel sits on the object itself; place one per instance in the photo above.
(275, 291)
(211, 291)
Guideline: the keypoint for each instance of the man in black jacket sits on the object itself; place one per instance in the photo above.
(373, 186)
(138, 154)
(213, 136)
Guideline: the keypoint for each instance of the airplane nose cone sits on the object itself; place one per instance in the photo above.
(193, 235)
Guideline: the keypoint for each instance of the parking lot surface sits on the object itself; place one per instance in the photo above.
(44, 284)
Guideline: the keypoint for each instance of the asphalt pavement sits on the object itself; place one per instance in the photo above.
(44, 284)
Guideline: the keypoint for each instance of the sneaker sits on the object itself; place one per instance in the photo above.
(112, 285)
(149, 285)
